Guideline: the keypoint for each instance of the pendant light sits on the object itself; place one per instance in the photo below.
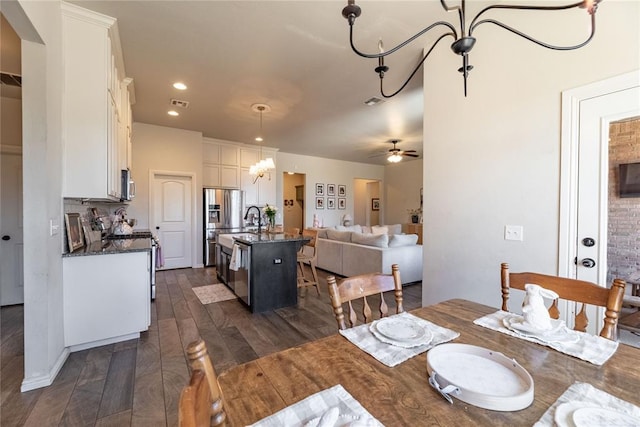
(263, 166)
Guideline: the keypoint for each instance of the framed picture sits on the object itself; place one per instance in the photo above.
(74, 231)
(342, 190)
(319, 189)
(319, 202)
(342, 203)
(331, 189)
(375, 204)
(331, 202)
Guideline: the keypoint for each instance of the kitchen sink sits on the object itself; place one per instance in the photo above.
(227, 240)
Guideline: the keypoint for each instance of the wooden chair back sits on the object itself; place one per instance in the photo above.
(361, 287)
(574, 290)
(313, 235)
(199, 360)
(195, 402)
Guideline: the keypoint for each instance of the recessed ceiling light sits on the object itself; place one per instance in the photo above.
(173, 113)
(180, 86)
(259, 139)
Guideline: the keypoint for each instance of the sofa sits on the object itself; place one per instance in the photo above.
(350, 251)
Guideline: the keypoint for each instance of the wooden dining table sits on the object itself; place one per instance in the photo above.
(401, 396)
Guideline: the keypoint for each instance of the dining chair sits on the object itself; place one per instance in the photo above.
(360, 287)
(574, 290)
(201, 405)
(308, 254)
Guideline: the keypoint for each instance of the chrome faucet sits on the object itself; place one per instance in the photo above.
(246, 216)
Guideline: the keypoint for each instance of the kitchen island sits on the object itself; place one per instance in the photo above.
(266, 275)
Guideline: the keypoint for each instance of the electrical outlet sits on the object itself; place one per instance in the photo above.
(513, 232)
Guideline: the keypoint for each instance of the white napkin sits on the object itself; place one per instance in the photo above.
(322, 407)
(390, 354)
(583, 392)
(591, 348)
(234, 262)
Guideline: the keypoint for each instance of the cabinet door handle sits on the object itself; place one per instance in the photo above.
(5, 237)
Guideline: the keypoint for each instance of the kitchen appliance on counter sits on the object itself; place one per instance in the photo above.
(143, 234)
(222, 214)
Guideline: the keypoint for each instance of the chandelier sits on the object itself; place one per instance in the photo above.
(463, 39)
(263, 166)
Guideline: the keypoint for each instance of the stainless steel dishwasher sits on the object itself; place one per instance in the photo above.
(242, 277)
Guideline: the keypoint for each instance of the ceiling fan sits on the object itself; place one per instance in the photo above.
(396, 154)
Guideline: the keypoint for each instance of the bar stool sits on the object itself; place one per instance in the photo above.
(308, 255)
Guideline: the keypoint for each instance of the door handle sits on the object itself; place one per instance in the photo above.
(157, 228)
(588, 262)
(5, 237)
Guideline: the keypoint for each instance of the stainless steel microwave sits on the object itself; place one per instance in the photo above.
(128, 187)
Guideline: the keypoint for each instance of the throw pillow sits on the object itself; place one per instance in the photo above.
(322, 232)
(341, 236)
(379, 229)
(395, 229)
(403, 240)
(366, 229)
(377, 240)
(355, 228)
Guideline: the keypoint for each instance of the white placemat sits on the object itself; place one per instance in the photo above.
(390, 354)
(592, 348)
(306, 411)
(583, 392)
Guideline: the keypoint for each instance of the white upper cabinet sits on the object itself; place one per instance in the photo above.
(96, 107)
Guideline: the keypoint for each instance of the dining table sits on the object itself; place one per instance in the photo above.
(401, 395)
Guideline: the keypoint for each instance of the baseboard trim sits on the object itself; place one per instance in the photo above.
(107, 341)
(29, 384)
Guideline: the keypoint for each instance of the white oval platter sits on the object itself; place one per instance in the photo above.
(485, 378)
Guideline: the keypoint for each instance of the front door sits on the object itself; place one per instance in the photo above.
(171, 218)
(585, 183)
(11, 248)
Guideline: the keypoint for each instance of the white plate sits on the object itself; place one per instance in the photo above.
(603, 417)
(486, 378)
(558, 333)
(422, 340)
(563, 415)
(399, 329)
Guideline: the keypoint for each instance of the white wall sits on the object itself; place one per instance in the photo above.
(402, 190)
(499, 163)
(39, 26)
(326, 171)
(165, 149)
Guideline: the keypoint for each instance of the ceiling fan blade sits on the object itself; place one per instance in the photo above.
(410, 154)
(410, 151)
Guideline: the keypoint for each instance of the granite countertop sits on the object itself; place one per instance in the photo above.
(107, 247)
(251, 239)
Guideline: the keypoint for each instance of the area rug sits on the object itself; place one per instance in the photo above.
(213, 293)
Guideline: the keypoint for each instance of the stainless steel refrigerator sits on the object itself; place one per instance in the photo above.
(222, 214)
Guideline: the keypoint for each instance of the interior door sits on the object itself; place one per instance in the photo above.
(584, 233)
(11, 247)
(172, 218)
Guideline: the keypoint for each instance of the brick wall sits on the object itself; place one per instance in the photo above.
(623, 250)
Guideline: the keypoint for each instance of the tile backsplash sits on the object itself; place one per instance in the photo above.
(106, 212)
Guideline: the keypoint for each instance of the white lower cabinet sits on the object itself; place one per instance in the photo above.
(107, 298)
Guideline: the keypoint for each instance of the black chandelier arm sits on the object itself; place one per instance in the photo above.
(538, 42)
(404, 43)
(461, 11)
(415, 70)
(521, 7)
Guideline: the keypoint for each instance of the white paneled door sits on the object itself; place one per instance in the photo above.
(587, 113)
(171, 218)
(11, 247)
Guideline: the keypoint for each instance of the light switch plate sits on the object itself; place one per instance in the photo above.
(513, 232)
(54, 227)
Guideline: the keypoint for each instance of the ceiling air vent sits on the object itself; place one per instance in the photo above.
(11, 79)
(372, 101)
(178, 103)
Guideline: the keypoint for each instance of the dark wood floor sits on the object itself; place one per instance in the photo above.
(138, 382)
